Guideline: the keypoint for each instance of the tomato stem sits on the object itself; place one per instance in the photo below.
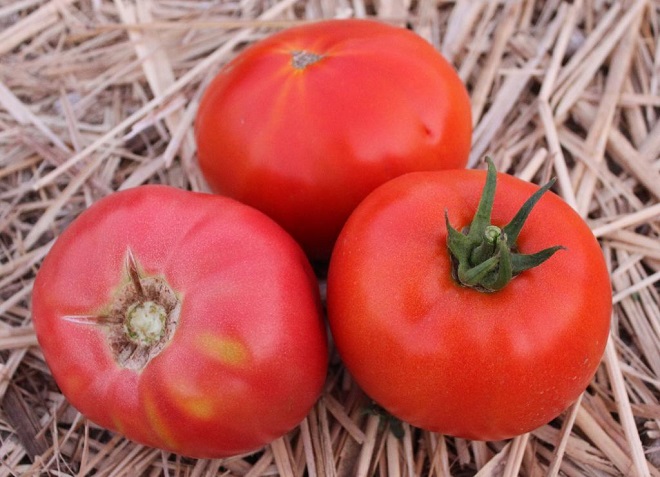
(485, 258)
(145, 322)
(301, 59)
(140, 319)
(486, 249)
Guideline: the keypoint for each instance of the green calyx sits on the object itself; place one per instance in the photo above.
(485, 258)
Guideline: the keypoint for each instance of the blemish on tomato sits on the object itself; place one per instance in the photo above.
(118, 424)
(199, 408)
(74, 383)
(157, 423)
(192, 400)
(229, 351)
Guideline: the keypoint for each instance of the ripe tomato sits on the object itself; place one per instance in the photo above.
(457, 359)
(304, 124)
(185, 321)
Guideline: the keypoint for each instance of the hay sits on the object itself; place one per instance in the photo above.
(100, 95)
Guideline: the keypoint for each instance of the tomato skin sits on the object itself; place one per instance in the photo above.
(448, 358)
(248, 358)
(306, 145)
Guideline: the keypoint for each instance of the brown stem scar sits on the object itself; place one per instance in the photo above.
(133, 336)
(301, 59)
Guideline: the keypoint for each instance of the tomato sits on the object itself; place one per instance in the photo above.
(305, 123)
(185, 321)
(459, 359)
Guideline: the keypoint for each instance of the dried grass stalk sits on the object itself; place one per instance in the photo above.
(100, 95)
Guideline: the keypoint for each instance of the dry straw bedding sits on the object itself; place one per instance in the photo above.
(100, 95)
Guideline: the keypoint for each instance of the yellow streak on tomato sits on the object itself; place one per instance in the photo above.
(157, 423)
(228, 351)
(119, 424)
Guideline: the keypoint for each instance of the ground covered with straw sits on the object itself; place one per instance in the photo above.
(100, 95)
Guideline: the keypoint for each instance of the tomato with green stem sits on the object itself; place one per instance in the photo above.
(305, 123)
(476, 316)
(185, 321)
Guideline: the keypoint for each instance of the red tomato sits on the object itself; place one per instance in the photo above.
(450, 358)
(222, 348)
(304, 124)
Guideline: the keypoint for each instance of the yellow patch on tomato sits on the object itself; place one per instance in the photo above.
(192, 401)
(75, 384)
(200, 408)
(118, 424)
(228, 351)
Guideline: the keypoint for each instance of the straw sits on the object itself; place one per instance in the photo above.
(101, 95)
